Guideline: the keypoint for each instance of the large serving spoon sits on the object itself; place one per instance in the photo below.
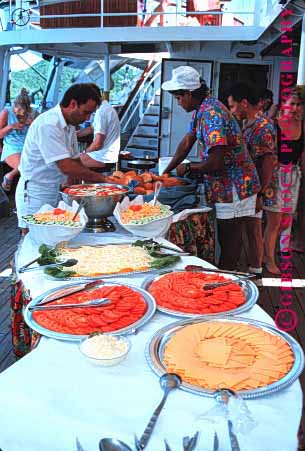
(158, 186)
(111, 444)
(168, 382)
(80, 206)
(66, 263)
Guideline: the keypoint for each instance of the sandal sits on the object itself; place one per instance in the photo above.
(6, 184)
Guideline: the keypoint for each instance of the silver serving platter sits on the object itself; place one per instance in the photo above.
(100, 276)
(131, 329)
(103, 276)
(155, 349)
(249, 288)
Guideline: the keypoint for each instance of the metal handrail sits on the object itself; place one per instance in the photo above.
(152, 13)
(142, 91)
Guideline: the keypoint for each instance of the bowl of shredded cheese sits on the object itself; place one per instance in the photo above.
(105, 349)
(143, 218)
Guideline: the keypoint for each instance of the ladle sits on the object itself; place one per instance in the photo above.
(111, 444)
(168, 382)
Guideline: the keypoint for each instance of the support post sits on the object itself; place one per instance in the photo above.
(5, 56)
(301, 67)
(106, 77)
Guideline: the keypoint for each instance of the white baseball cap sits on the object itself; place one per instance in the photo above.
(184, 77)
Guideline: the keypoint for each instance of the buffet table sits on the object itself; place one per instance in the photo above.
(53, 395)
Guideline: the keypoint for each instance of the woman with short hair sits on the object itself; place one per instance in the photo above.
(14, 125)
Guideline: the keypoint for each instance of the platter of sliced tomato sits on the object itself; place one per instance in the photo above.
(129, 309)
(182, 293)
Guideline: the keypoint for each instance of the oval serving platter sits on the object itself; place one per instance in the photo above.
(132, 328)
(249, 288)
(155, 349)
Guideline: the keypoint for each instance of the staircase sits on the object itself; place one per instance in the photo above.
(141, 119)
(143, 143)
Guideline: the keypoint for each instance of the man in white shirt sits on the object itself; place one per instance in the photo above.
(50, 154)
(106, 143)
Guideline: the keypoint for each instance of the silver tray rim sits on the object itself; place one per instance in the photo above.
(254, 295)
(163, 335)
(131, 329)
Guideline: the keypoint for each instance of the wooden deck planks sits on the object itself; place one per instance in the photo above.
(9, 237)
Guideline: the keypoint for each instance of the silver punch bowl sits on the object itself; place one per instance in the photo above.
(97, 208)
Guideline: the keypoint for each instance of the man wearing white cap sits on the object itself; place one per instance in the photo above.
(230, 178)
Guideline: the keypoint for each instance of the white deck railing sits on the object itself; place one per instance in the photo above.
(23, 13)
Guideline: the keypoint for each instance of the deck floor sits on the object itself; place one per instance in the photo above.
(269, 298)
(9, 237)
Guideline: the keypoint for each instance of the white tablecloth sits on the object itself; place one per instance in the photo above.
(53, 395)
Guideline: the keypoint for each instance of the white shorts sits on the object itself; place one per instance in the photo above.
(238, 208)
(31, 196)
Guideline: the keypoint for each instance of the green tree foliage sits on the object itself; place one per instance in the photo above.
(124, 80)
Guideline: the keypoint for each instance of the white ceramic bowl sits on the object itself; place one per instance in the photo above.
(152, 229)
(105, 361)
(52, 234)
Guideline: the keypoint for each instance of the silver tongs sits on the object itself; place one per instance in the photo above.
(78, 289)
(212, 286)
(65, 263)
(194, 268)
(91, 303)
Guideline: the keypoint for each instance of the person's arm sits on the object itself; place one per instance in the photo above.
(74, 169)
(183, 149)
(265, 170)
(4, 127)
(97, 144)
(84, 132)
(214, 162)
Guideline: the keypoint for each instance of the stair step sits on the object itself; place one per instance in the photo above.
(153, 109)
(144, 135)
(150, 120)
(148, 125)
(143, 141)
(151, 130)
(138, 146)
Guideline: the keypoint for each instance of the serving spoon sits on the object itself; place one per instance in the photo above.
(111, 444)
(158, 186)
(168, 382)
